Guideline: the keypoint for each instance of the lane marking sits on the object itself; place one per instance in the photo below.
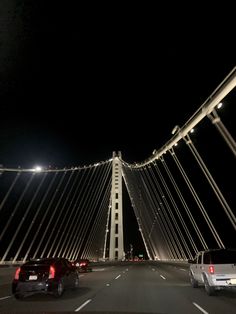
(81, 275)
(183, 269)
(118, 277)
(83, 305)
(162, 277)
(7, 297)
(200, 308)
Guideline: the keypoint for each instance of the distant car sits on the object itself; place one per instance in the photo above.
(45, 275)
(83, 265)
(215, 269)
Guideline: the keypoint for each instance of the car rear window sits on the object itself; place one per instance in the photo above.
(40, 262)
(220, 257)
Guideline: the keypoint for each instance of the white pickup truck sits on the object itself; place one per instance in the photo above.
(215, 269)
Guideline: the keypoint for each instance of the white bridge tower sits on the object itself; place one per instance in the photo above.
(116, 251)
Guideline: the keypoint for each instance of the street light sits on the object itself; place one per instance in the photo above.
(38, 169)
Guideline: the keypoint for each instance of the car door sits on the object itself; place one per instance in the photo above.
(195, 267)
(198, 269)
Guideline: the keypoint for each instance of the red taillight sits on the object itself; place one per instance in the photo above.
(211, 269)
(51, 272)
(82, 264)
(17, 274)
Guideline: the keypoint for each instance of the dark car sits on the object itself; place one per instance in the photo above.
(45, 275)
(83, 265)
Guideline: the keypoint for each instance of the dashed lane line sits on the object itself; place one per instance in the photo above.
(200, 308)
(83, 305)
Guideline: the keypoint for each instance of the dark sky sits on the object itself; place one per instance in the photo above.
(77, 84)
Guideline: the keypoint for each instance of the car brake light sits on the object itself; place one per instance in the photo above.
(82, 264)
(51, 272)
(211, 269)
(17, 274)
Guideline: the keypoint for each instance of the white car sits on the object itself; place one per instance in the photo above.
(215, 269)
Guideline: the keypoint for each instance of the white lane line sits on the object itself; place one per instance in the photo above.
(162, 277)
(200, 308)
(7, 297)
(81, 275)
(83, 305)
(183, 269)
(153, 269)
(118, 277)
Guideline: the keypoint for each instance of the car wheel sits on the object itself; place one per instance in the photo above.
(194, 282)
(209, 289)
(59, 289)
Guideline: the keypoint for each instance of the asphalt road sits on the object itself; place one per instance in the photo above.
(138, 287)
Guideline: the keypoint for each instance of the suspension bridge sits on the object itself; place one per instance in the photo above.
(180, 196)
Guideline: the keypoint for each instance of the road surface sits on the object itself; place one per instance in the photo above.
(135, 287)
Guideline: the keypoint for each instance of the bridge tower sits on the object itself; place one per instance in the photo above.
(116, 250)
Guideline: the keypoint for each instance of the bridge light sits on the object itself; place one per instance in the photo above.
(38, 169)
(175, 129)
(192, 130)
(219, 105)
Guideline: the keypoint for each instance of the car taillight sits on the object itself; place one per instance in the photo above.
(211, 269)
(17, 274)
(82, 264)
(51, 272)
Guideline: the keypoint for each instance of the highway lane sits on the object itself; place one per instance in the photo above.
(138, 287)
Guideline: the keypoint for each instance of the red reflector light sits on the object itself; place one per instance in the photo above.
(51, 272)
(17, 274)
(211, 269)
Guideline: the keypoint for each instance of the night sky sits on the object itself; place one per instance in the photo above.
(77, 84)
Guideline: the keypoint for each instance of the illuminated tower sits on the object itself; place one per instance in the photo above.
(116, 251)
